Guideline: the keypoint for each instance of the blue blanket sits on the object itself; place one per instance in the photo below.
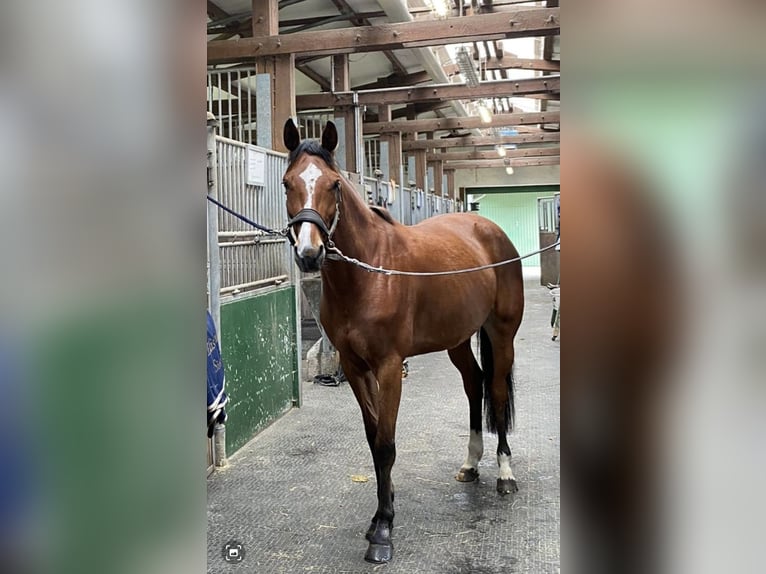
(216, 396)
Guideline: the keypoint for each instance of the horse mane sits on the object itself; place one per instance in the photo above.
(383, 213)
(313, 147)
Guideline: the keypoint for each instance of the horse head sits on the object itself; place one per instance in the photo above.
(313, 191)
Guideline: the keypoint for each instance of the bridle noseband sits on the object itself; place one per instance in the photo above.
(310, 215)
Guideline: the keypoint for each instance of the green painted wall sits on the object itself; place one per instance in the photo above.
(516, 213)
(259, 353)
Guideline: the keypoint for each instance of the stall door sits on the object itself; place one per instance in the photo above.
(548, 221)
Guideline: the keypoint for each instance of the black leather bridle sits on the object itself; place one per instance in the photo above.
(310, 215)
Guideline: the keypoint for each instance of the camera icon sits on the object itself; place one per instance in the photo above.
(233, 552)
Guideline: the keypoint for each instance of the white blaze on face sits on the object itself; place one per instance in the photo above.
(309, 176)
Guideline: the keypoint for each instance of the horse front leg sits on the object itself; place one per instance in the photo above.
(365, 387)
(389, 378)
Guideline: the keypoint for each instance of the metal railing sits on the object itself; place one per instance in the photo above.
(407, 206)
(231, 99)
(371, 155)
(250, 259)
(312, 123)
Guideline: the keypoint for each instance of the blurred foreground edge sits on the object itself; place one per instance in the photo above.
(621, 276)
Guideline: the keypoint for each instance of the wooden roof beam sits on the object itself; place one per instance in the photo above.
(500, 162)
(514, 24)
(471, 122)
(409, 94)
(318, 78)
(344, 8)
(507, 63)
(476, 154)
(406, 111)
(394, 80)
(476, 141)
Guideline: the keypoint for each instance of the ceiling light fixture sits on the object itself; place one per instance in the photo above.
(441, 8)
(484, 113)
(501, 151)
(509, 170)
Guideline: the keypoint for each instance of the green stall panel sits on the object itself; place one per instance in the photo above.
(258, 345)
(516, 214)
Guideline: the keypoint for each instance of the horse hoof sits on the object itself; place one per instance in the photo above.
(467, 475)
(506, 486)
(379, 553)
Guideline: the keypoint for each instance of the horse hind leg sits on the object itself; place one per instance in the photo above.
(462, 357)
(497, 361)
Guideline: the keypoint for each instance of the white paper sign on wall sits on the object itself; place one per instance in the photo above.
(256, 166)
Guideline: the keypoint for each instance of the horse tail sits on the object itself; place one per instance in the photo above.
(488, 367)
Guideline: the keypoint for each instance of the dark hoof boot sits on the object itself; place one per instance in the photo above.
(379, 553)
(506, 486)
(467, 475)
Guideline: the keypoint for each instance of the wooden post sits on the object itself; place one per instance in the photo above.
(406, 160)
(438, 167)
(281, 70)
(341, 82)
(420, 169)
(451, 191)
(394, 145)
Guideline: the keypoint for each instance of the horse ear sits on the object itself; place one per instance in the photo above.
(330, 137)
(291, 135)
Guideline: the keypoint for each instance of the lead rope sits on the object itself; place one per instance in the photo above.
(334, 253)
(259, 227)
(337, 255)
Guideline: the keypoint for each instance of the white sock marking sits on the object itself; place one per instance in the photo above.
(475, 450)
(504, 462)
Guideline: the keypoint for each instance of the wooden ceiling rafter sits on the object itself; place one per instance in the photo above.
(244, 26)
(480, 141)
(470, 122)
(521, 23)
(503, 162)
(315, 76)
(408, 111)
(396, 80)
(343, 7)
(513, 63)
(492, 154)
(390, 90)
(410, 94)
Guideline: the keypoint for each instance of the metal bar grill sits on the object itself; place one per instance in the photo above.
(249, 259)
(230, 97)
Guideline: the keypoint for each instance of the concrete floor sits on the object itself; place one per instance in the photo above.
(288, 498)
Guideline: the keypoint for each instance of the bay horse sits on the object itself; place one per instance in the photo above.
(377, 321)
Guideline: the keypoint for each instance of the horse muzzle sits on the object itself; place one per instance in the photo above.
(310, 260)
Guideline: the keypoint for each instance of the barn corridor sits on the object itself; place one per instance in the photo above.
(288, 496)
